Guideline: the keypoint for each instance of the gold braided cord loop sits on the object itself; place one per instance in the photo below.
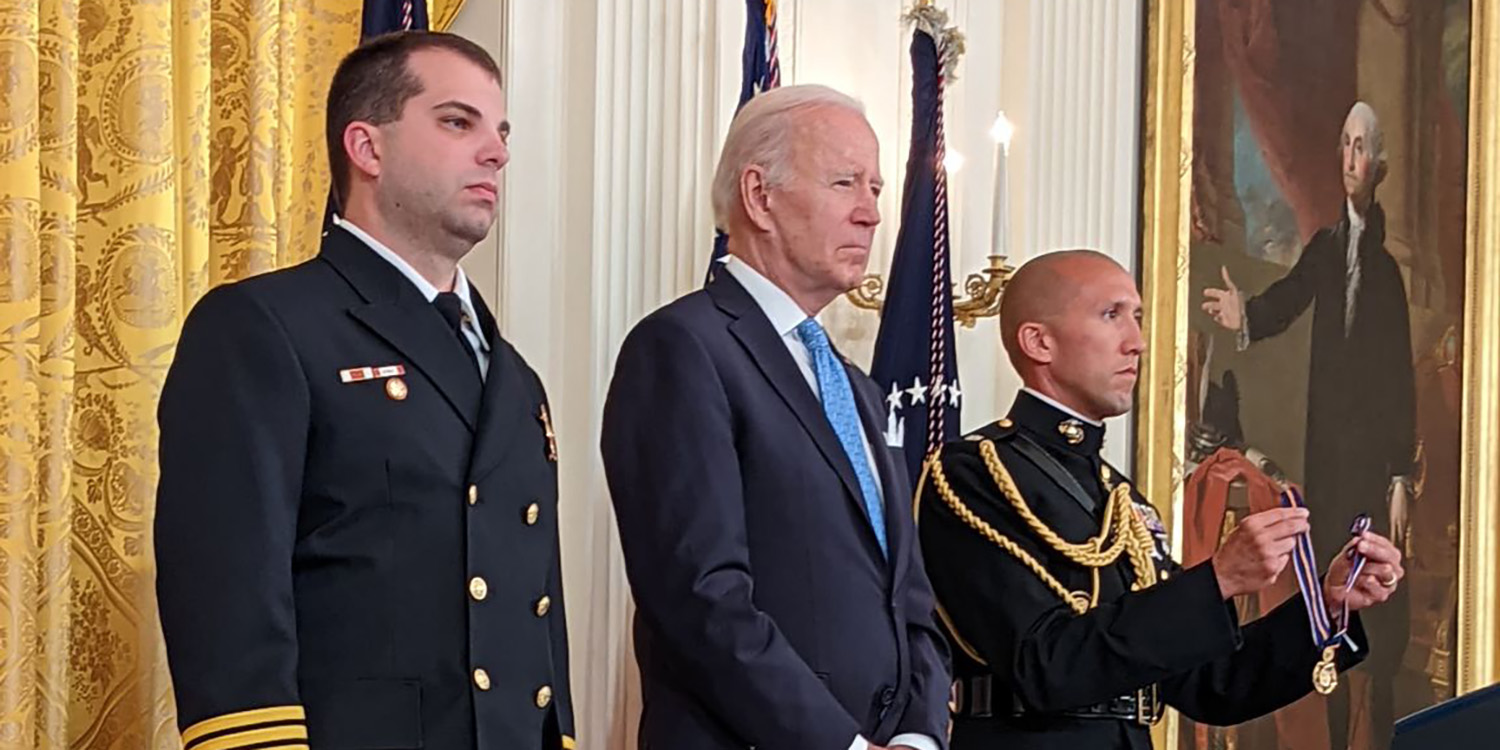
(1092, 553)
(1123, 531)
(951, 499)
(1141, 547)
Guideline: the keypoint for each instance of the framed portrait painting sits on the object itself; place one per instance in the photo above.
(1318, 260)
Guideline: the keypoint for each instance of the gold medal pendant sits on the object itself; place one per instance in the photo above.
(1325, 676)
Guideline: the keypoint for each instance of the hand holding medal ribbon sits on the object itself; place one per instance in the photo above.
(1363, 549)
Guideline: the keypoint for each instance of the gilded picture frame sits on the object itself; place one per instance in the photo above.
(1161, 419)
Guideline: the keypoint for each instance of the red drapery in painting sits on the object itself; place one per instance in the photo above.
(1292, 62)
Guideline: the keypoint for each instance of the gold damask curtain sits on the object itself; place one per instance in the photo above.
(148, 150)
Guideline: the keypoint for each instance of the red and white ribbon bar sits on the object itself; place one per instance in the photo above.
(356, 374)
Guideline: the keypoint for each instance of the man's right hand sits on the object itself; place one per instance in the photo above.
(1225, 305)
(1258, 550)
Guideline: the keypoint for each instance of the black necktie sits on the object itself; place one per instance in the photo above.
(452, 310)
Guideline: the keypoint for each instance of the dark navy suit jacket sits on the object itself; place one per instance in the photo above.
(767, 614)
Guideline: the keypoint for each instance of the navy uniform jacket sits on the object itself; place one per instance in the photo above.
(338, 561)
(1044, 667)
(767, 615)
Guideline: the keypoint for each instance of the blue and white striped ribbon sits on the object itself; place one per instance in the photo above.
(1306, 564)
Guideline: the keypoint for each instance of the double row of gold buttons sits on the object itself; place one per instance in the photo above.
(479, 589)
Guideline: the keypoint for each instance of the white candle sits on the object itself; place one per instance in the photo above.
(1000, 214)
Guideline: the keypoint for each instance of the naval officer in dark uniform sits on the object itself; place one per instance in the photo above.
(356, 528)
(1072, 626)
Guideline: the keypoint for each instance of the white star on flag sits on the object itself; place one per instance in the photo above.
(917, 392)
(894, 399)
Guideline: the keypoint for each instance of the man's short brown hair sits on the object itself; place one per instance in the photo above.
(373, 84)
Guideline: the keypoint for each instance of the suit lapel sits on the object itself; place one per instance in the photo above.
(751, 328)
(508, 407)
(395, 311)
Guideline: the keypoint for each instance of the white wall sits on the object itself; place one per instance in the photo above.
(618, 108)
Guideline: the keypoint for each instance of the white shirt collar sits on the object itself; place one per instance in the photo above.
(430, 292)
(1060, 407)
(785, 315)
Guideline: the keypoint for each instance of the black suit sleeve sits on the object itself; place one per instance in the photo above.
(927, 713)
(670, 459)
(1052, 658)
(1272, 311)
(1272, 668)
(234, 417)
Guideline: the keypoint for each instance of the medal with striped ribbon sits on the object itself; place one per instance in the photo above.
(1325, 676)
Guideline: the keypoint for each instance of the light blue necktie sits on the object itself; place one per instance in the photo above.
(838, 406)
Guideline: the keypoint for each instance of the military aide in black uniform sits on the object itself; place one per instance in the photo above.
(357, 520)
(1072, 627)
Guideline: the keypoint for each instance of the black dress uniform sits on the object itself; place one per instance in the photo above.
(1056, 643)
(356, 533)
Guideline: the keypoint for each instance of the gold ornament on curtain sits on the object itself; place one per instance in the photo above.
(147, 151)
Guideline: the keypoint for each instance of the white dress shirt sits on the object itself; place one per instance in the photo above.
(472, 334)
(785, 315)
(1351, 264)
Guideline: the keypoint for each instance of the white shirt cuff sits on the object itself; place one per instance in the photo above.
(918, 741)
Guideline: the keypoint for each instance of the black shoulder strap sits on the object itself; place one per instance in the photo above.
(1054, 470)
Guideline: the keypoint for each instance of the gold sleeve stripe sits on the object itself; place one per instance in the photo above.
(568, 743)
(242, 720)
(255, 737)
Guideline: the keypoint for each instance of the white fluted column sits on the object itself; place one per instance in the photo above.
(1083, 90)
(1085, 63)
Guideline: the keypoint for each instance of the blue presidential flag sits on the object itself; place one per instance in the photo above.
(383, 16)
(915, 363)
(760, 70)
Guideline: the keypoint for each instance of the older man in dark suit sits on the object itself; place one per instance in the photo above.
(356, 528)
(766, 525)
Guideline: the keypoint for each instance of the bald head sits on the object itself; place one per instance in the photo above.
(1070, 321)
(1041, 289)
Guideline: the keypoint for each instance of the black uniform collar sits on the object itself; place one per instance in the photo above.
(371, 276)
(1054, 427)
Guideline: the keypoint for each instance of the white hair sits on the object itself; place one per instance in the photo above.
(1373, 133)
(760, 135)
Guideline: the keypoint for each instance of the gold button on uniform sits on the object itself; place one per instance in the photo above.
(478, 588)
(473, 494)
(481, 679)
(543, 606)
(544, 696)
(533, 514)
